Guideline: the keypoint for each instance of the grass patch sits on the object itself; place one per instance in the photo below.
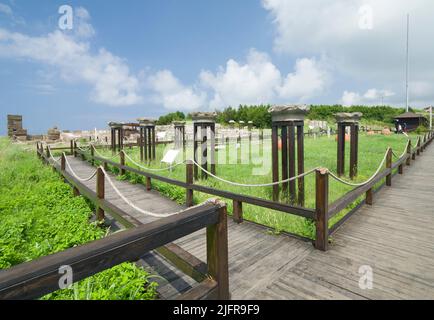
(319, 152)
(39, 216)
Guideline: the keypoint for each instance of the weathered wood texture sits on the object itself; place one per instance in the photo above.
(394, 236)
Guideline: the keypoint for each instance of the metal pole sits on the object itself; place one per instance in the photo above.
(406, 68)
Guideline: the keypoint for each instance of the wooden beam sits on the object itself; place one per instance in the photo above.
(321, 205)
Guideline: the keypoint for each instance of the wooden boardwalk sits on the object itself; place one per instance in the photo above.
(394, 237)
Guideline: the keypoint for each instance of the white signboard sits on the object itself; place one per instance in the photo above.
(170, 156)
(161, 135)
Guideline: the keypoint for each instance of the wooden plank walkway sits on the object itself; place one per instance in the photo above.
(394, 237)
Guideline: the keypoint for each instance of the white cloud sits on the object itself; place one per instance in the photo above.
(259, 81)
(5, 9)
(370, 97)
(82, 27)
(254, 82)
(375, 56)
(170, 93)
(112, 82)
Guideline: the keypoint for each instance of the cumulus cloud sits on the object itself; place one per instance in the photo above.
(370, 97)
(111, 80)
(259, 81)
(374, 55)
(5, 9)
(172, 94)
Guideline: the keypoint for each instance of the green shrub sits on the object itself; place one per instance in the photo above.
(39, 216)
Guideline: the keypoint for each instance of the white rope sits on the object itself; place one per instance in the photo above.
(254, 185)
(152, 169)
(132, 205)
(75, 175)
(367, 181)
(105, 157)
(403, 153)
(51, 156)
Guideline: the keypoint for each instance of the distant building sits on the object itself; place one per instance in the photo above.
(411, 120)
(15, 127)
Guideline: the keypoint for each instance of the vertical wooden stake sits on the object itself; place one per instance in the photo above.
(71, 146)
(408, 161)
(75, 148)
(237, 211)
(275, 161)
(418, 147)
(62, 162)
(148, 184)
(92, 154)
(100, 192)
(389, 166)
(189, 180)
(369, 197)
(217, 254)
(321, 208)
(122, 161)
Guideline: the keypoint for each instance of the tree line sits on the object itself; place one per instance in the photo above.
(262, 118)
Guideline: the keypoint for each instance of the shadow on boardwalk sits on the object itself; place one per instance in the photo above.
(394, 237)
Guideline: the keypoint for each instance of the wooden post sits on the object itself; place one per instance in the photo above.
(122, 161)
(75, 149)
(418, 146)
(204, 153)
(217, 254)
(47, 152)
(92, 154)
(300, 160)
(148, 184)
(237, 211)
(189, 179)
(408, 161)
(321, 209)
(275, 161)
(63, 162)
(341, 150)
(284, 140)
(100, 192)
(354, 150)
(291, 150)
(75, 191)
(389, 166)
(71, 146)
(195, 150)
(37, 150)
(369, 197)
(212, 148)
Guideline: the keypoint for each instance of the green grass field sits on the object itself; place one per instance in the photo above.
(319, 152)
(40, 216)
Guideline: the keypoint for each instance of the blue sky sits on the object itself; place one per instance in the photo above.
(123, 60)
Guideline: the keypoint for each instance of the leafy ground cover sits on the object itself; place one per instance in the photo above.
(39, 216)
(319, 152)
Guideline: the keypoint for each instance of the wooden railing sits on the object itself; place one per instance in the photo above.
(323, 211)
(36, 278)
(190, 186)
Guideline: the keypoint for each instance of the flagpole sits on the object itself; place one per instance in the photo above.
(406, 68)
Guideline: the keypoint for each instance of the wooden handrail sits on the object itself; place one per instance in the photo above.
(295, 210)
(34, 279)
(387, 173)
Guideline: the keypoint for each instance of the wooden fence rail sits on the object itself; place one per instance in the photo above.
(36, 278)
(323, 211)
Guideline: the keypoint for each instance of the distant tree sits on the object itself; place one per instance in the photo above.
(168, 118)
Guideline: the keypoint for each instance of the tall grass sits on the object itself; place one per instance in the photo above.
(319, 152)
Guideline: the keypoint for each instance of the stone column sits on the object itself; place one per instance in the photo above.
(201, 122)
(348, 120)
(289, 120)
